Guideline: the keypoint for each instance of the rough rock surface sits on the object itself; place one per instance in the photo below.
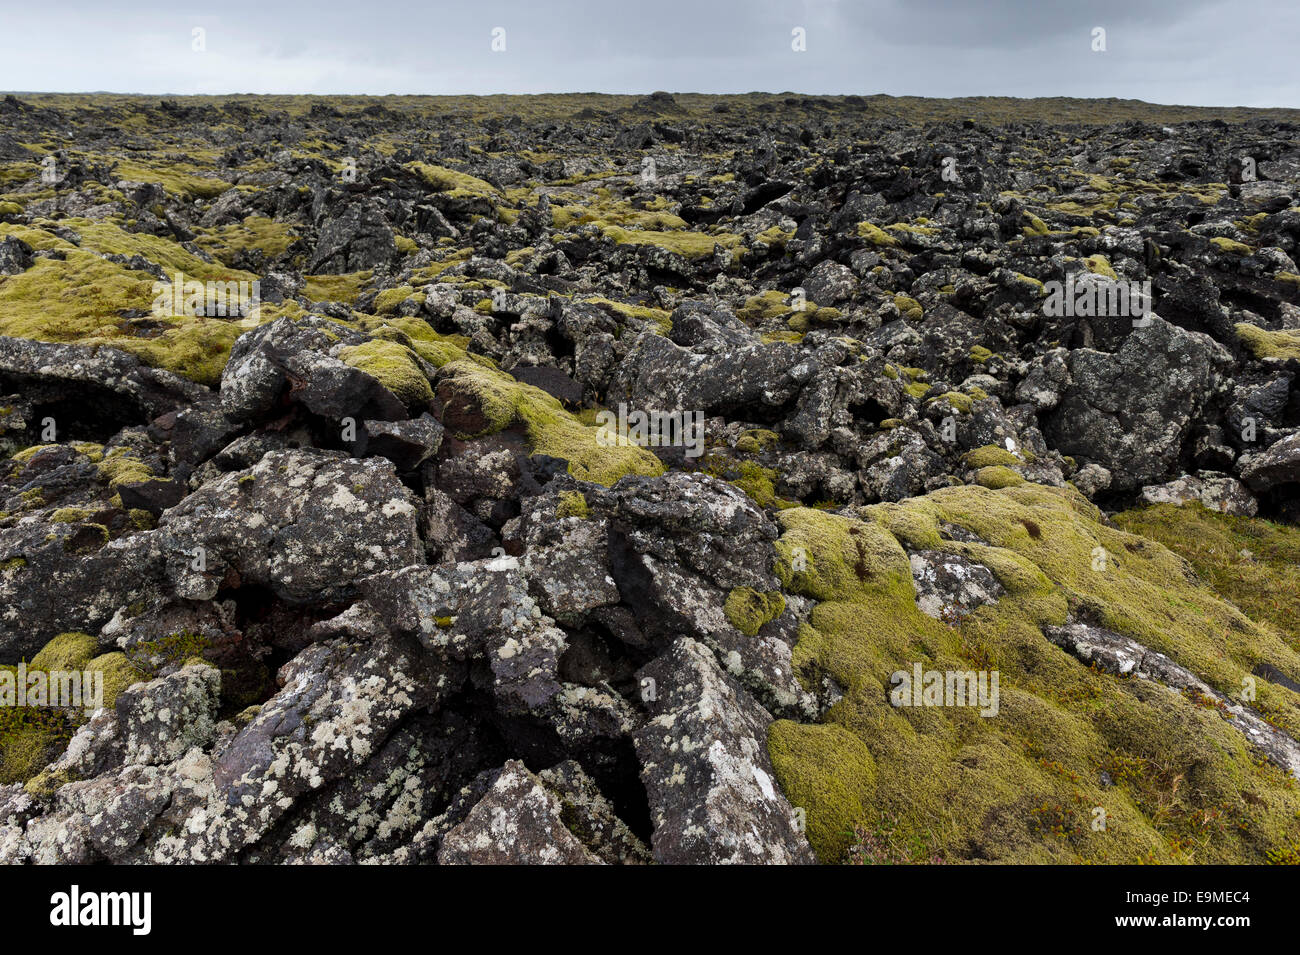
(539, 510)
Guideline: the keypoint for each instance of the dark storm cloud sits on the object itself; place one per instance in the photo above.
(1213, 52)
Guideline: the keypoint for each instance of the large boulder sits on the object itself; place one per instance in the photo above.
(1131, 411)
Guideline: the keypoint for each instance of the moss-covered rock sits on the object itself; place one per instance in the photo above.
(997, 476)
(1022, 785)
(495, 401)
(394, 367)
(572, 504)
(748, 609)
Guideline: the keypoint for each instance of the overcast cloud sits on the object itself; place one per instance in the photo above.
(1198, 52)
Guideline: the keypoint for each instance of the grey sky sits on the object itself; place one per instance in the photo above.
(1198, 52)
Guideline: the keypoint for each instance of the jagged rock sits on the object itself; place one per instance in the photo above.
(713, 795)
(592, 818)
(948, 586)
(490, 659)
(1116, 653)
(307, 524)
(658, 375)
(97, 388)
(1219, 492)
(519, 821)
(160, 721)
(360, 237)
(287, 360)
(408, 444)
(15, 256)
(1278, 465)
(1132, 410)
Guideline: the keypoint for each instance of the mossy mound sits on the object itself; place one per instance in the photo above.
(1265, 344)
(456, 184)
(594, 454)
(83, 298)
(1253, 563)
(997, 477)
(394, 367)
(572, 504)
(876, 235)
(748, 609)
(990, 455)
(31, 736)
(1025, 785)
(662, 321)
(689, 245)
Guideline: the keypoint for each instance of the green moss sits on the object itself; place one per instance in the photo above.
(345, 288)
(387, 301)
(594, 454)
(67, 651)
(13, 564)
(980, 354)
(959, 402)
(1252, 562)
(997, 477)
(1231, 246)
(255, 234)
(909, 307)
(83, 299)
(1036, 225)
(1100, 265)
(661, 320)
(456, 184)
(174, 648)
(835, 798)
(572, 504)
(876, 235)
(28, 741)
(1020, 786)
(990, 455)
(774, 237)
(604, 213)
(31, 736)
(689, 245)
(771, 304)
(26, 454)
(394, 367)
(758, 482)
(757, 440)
(1263, 344)
(435, 348)
(10, 209)
(69, 515)
(748, 609)
(181, 179)
(118, 674)
(803, 319)
(121, 466)
(911, 229)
